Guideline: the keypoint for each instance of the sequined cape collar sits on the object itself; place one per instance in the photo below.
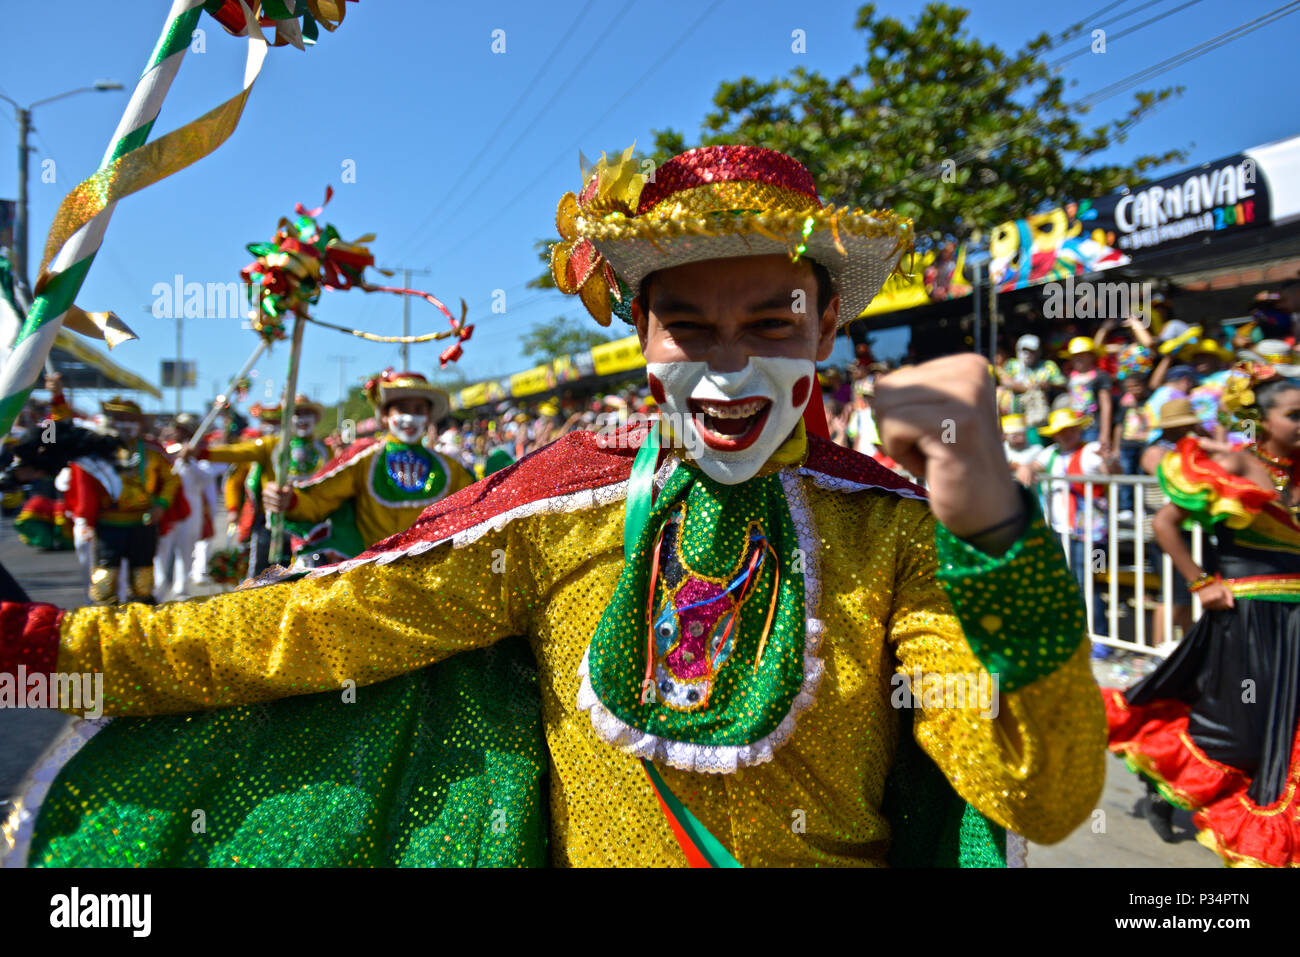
(585, 470)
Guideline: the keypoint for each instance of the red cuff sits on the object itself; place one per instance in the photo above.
(29, 635)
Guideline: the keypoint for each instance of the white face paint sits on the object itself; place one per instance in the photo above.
(406, 427)
(126, 429)
(304, 425)
(732, 422)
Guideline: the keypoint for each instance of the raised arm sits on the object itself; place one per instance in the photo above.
(1028, 753)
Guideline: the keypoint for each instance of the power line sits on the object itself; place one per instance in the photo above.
(505, 118)
(1113, 89)
(1126, 14)
(471, 195)
(1070, 31)
(1192, 53)
(660, 63)
(1123, 33)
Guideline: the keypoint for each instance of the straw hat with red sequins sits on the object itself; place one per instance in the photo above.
(390, 386)
(715, 202)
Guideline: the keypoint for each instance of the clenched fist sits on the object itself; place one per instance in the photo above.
(939, 420)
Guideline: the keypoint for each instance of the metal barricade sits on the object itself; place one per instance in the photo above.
(1122, 550)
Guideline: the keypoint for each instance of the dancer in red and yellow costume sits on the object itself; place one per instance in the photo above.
(376, 487)
(43, 521)
(746, 638)
(126, 502)
(1214, 728)
(254, 459)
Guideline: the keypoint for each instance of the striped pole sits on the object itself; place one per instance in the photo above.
(68, 270)
(223, 400)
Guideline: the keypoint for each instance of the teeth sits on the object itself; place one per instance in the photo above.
(733, 411)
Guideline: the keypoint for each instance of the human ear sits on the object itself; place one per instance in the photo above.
(827, 325)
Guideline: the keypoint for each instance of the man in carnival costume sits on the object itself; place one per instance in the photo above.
(376, 487)
(251, 460)
(747, 639)
(126, 502)
(306, 455)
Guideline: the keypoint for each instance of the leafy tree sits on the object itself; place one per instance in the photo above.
(560, 337)
(935, 124)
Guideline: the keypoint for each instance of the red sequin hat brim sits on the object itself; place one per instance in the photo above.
(730, 201)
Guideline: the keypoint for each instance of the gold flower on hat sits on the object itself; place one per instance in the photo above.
(1238, 398)
(578, 269)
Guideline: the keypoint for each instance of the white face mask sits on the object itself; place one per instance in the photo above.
(304, 425)
(406, 427)
(732, 422)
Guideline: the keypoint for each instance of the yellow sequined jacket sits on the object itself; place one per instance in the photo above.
(382, 508)
(537, 549)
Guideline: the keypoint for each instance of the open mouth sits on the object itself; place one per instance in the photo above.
(732, 425)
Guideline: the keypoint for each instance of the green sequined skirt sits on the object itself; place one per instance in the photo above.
(444, 767)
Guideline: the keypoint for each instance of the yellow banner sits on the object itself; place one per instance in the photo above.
(927, 281)
(534, 380)
(618, 356)
(473, 395)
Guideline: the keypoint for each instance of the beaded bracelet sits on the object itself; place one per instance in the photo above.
(1204, 581)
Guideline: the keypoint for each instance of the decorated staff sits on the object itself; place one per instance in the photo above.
(130, 164)
(305, 257)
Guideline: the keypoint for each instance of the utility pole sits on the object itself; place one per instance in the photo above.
(20, 214)
(179, 371)
(24, 115)
(407, 273)
(343, 396)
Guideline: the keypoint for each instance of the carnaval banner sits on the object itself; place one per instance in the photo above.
(1227, 197)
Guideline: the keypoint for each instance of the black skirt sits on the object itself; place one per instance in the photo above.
(1239, 673)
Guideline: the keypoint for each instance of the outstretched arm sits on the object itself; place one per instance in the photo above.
(364, 625)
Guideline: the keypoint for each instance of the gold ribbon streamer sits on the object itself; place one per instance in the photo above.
(372, 337)
(143, 166)
(98, 325)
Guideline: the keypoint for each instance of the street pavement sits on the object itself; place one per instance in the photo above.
(1115, 835)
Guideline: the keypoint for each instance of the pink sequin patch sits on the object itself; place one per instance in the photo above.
(690, 659)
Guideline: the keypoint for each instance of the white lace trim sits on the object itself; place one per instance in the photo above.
(16, 830)
(725, 759)
(573, 502)
(339, 467)
(834, 484)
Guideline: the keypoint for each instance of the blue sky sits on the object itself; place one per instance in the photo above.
(461, 154)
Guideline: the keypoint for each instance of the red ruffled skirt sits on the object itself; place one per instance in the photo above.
(1215, 730)
(1155, 742)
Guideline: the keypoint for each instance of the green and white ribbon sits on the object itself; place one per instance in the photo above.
(128, 165)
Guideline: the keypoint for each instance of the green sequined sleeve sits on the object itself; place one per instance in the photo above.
(1021, 611)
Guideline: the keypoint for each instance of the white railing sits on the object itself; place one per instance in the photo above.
(1123, 552)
